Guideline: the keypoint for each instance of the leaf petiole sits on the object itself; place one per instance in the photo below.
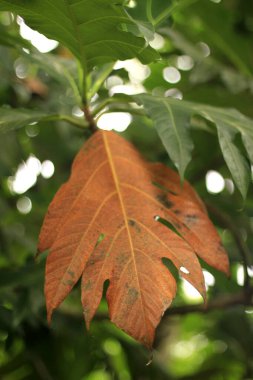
(70, 119)
(149, 12)
(168, 11)
(113, 100)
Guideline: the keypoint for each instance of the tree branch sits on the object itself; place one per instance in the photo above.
(219, 303)
(89, 119)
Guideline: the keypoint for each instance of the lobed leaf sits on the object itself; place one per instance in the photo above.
(114, 194)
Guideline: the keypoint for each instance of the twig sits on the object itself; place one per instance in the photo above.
(219, 303)
(40, 366)
(168, 11)
(126, 99)
(69, 119)
(89, 119)
(149, 11)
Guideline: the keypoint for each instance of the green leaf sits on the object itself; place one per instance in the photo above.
(172, 124)
(12, 39)
(235, 161)
(171, 119)
(11, 119)
(93, 30)
(65, 71)
(234, 120)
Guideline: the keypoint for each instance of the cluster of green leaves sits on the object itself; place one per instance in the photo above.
(202, 126)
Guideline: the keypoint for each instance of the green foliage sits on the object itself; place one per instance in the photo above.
(207, 130)
(13, 119)
(172, 120)
(95, 32)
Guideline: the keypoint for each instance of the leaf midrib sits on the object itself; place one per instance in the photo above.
(207, 111)
(181, 164)
(78, 37)
(117, 185)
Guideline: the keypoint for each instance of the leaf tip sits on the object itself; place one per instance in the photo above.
(204, 299)
(87, 321)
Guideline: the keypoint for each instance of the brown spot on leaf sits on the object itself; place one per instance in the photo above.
(122, 259)
(191, 219)
(132, 295)
(133, 224)
(68, 282)
(88, 285)
(164, 200)
(72, 274)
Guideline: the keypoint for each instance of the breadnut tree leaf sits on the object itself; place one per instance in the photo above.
(105, 224)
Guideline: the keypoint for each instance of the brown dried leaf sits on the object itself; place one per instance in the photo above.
(113, 192)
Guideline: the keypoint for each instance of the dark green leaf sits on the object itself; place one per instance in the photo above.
(94, 30)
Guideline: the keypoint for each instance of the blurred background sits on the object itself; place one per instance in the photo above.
(207, 57)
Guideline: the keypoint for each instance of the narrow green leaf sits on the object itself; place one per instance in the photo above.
(172, 124)
(234, 120)
(248, 143)
(235, 161)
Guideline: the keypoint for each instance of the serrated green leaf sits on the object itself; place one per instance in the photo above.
(172, 124)
(93, 30)
(170, 115)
